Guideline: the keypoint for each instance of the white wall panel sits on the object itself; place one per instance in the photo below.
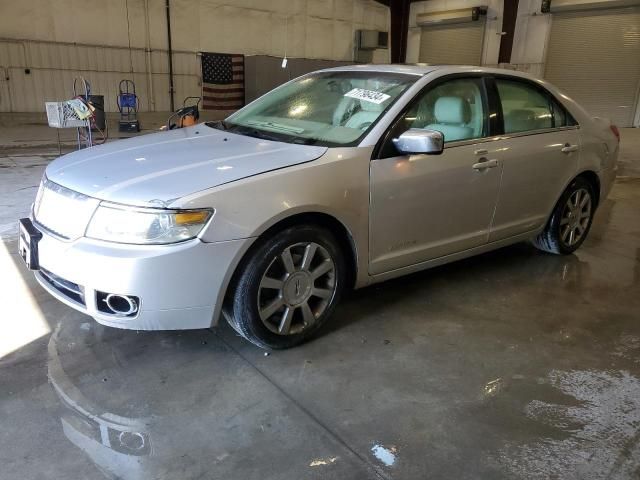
(342, 39)
(319, 42)
(161, 90)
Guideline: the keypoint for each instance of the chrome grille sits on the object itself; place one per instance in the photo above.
(62, 211)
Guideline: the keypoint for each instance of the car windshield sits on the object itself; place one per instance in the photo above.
(335, 108)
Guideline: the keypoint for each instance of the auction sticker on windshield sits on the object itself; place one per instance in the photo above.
(367, 95)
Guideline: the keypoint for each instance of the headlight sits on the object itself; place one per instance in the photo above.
(145, 226)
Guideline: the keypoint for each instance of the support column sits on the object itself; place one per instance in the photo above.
(509, 16)
(399, 13)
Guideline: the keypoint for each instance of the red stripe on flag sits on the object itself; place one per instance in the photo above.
(221, 109)
(226, 107)
(223, 90)
(235, 104)
(236, 99)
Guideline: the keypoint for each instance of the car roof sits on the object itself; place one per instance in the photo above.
(422, 69)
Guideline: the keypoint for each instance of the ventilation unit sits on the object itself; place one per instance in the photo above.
(372, 39)
(444, 17)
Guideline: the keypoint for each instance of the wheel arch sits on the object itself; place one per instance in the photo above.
(338, 228)
(330, 222)
(593, 178)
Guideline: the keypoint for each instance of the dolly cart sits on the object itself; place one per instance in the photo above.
(128, 107)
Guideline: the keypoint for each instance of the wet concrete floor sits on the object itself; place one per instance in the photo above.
(513, 364)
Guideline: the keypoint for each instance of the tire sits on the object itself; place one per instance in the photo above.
(569, 223)
(281, 300)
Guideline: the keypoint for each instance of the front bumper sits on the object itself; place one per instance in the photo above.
(177, 284)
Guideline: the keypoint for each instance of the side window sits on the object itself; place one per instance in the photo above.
(524, 107)
(559, 115)
(457, 108)
(561, 118)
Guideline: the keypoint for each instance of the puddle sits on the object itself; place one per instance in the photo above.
(598, 435)
(387, 455)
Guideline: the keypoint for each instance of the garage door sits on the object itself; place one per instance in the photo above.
(594, 56)
(459, 44)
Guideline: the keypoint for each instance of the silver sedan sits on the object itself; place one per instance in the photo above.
(338, 179)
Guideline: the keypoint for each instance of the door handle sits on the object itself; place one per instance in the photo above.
(568, 148)
(484, 164)
(481, 152)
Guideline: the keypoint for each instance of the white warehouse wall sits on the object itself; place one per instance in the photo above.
(109, 40)
(530, 38)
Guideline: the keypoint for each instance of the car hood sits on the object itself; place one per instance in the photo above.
(157, 169)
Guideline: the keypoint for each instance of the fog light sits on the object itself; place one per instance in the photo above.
(116, 304)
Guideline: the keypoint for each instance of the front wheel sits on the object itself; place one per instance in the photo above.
(287, 287)
(570, 221)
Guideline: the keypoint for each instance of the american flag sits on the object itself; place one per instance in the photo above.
(222, 81)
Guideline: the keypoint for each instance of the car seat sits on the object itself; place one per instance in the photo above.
(367, 114)
(452, 115)
(524, 119)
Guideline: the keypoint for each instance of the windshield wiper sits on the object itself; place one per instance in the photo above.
(305, 141)
(276, 126)
(265, 136)
(258, 133)
(219, 125)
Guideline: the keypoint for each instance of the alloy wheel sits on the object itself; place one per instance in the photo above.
(575, 217)
(296, 288)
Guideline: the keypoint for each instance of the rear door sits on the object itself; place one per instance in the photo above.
(541, 148)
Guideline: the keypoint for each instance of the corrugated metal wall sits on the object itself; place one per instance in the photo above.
(594, 56)
(56, 45)
(44, 71)
(104, 67)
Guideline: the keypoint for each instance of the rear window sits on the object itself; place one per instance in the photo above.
(528, 107)
(524, 107)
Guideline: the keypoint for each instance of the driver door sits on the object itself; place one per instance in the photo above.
(427, 206)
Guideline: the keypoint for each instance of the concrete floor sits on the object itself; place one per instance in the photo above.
(513, 364)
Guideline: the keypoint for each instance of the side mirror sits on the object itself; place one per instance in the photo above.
(416, 140)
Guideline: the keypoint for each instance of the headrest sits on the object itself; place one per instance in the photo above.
(520, 120)
(452, 110)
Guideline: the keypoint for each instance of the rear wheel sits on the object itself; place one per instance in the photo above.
(570, 221)
(288, 287)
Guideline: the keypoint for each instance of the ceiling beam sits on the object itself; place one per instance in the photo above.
(399, 13)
